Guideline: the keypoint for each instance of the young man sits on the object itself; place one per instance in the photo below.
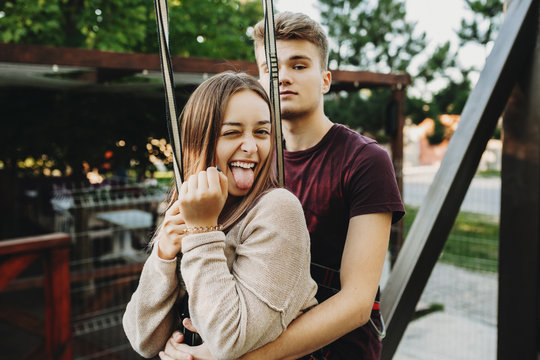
(347, 187)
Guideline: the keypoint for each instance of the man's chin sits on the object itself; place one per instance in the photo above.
(288, 114)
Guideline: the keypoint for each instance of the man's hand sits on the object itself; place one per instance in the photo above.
(175, 349)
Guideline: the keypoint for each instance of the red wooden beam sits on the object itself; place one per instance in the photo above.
(367, 79)
(54, 249)
(79, 276)
(49, 55)
(12, 267)
(58, 305)
(34, 244)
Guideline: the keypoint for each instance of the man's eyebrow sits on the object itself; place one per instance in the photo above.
(291, 58)
(299, 57)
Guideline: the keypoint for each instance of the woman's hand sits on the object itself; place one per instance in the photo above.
(175, 349)
(203, 196)
(170, 236)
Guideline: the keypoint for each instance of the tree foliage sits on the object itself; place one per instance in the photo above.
(364, 111)
(372, 35)
(484, 24)
(375, 36)
(203, 28)
(62, 129)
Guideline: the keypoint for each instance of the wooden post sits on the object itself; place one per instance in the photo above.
(519, 247)
(57, 304)
(54, 249)
(436, 216)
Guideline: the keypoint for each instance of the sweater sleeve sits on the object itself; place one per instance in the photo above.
(239, 310)
(149, 317)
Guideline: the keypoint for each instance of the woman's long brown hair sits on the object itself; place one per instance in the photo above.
(201, 121)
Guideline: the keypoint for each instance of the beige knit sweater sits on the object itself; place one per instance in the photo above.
(244, 287)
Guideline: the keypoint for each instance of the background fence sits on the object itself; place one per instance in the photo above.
(457, 313)
(111, 224)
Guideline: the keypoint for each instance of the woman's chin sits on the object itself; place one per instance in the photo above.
(235, 191)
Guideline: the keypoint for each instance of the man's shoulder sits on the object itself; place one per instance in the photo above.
(352, 142)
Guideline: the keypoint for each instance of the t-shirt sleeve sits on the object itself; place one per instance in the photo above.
(371, 184)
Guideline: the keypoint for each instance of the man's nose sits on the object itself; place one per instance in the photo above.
(284, 77)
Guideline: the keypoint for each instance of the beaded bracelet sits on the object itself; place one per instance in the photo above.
(202, 229)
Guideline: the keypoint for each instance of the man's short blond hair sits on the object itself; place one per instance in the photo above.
(296, 26)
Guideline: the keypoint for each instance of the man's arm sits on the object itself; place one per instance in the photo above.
(361, 267)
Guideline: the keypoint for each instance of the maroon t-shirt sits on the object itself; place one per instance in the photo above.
(344, 175)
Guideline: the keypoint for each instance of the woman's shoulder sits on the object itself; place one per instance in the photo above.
(276, 203)
(279, 197)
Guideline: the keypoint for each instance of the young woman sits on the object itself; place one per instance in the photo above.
(244, 242)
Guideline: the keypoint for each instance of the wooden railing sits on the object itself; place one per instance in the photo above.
(16, 255)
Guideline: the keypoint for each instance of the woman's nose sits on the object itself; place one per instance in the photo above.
(248, 144)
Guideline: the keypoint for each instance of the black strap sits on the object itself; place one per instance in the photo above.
(173, 126)
(272, 63)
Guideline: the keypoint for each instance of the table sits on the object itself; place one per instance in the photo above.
(126, 220)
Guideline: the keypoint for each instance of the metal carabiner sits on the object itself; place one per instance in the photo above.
(381, 334)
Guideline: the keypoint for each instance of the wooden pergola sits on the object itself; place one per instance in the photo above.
(94, 70)
(102, 66)
(80, 70)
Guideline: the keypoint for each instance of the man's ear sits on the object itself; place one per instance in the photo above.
(326, 81)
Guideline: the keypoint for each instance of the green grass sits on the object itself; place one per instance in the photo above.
(473, 242)
(489, 173)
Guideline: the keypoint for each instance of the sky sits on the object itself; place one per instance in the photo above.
(440, 19)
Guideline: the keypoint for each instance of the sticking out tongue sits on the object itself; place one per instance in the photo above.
(243, 177)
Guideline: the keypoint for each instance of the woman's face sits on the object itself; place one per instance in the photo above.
(244, 142)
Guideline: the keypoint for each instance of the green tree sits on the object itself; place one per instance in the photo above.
(203, 28)
(62, 129)
(371, 35)
(374, 36)
(484, 24)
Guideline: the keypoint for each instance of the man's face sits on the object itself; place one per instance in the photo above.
(301, 80)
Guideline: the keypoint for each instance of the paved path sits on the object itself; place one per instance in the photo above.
(484, 195)
(465, 329)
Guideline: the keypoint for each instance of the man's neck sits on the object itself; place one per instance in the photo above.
(303, 133)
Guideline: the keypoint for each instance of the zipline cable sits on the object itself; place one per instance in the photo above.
(272, 64)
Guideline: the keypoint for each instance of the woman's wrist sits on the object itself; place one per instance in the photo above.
(193, 229)
(165, 252)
